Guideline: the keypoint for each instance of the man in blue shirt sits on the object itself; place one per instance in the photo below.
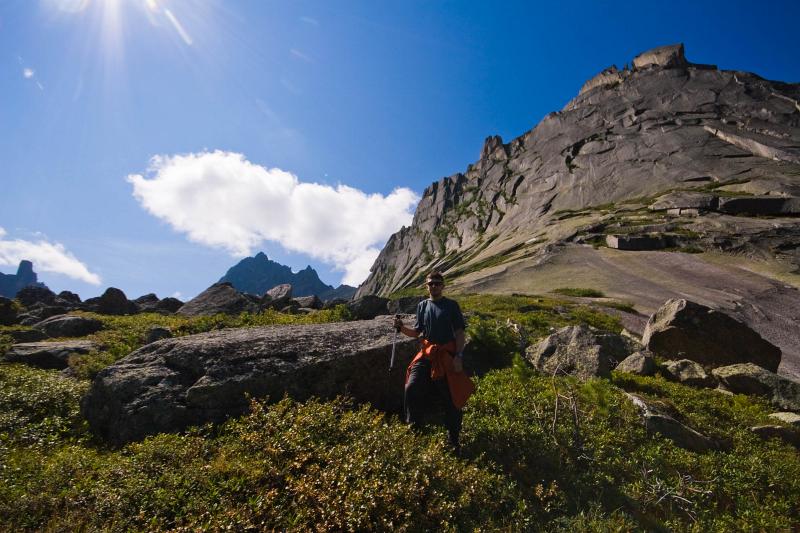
(438, 367)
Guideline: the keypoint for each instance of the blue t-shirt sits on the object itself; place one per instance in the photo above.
(438, 320)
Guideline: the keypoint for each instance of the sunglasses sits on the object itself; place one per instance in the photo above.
(434, 283)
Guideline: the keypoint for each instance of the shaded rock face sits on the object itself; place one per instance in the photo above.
(29, 296)
(748, 378)
(681, 329)
(219, 298)
(665, 124)
(368, 307)
(11, 284)
(68, 326)
(174, 383)
(169, 305)
(787, 435)
(49, 355)
(581, 351)
(404, 306)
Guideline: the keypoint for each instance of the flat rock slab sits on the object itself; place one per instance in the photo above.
(68, 326)
(175, 383)
(50, 355)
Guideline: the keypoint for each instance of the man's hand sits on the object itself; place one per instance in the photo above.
(458, 364)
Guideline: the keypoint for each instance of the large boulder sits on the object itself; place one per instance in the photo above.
(68, 326)
(51, 355)
(112, 302)
(368, 307)
(147, 303)
(25, 335)
(581, 351)
(278, 296)
(183, 381)
(682, 329)
(308, 302)
(219, 298)
(40, 311)
(670, 56)
(8, 312)
(748, 378)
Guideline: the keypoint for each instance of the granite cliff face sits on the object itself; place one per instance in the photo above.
(665, 155)
(664, 124)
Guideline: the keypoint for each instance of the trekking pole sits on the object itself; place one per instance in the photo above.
(394, 345)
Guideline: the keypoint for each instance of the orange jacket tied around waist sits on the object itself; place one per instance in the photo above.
(441, 358)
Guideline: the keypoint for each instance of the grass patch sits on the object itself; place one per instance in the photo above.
(626, 307)
(579, 292)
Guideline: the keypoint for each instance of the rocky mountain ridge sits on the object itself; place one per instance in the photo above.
(629, 134)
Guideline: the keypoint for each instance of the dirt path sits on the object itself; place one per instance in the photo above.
(648, 279)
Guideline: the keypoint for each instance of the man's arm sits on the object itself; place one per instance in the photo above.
(460, 340)
(405, 330)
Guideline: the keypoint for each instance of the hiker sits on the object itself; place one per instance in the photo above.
(438, 367)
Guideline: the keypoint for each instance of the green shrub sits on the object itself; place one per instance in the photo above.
(38, 407)
(492, 343)
(316, 466)
(584, 293)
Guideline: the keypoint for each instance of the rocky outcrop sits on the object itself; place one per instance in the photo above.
(681, 329)
(112, 302)
(665, 126)
(50, 355)
(175, 383)
(580, 351)
(68, 326)
(219, 298)
(792, 419)
(751, 379)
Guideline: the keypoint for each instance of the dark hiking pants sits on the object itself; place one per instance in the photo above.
(420, 393)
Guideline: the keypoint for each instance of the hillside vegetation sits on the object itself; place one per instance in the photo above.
(539, 452)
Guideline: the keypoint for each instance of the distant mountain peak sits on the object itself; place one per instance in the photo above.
(10, 284)
(258, 274)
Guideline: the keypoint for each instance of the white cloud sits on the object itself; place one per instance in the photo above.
(46, 257)
(28, 73)
(222, 200)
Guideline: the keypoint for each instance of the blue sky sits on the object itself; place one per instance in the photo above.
(306, 130)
